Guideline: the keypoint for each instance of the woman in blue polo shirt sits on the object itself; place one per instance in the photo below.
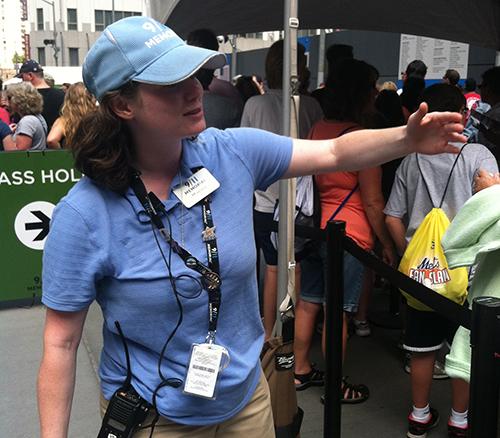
(172, 268)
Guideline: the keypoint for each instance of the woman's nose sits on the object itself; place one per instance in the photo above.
(193, 88)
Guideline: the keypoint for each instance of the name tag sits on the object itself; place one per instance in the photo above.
(203, 371)
(196, 187)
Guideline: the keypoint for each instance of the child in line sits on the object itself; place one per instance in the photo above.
(420, 183)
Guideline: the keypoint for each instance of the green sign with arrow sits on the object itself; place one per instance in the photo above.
(31, 184)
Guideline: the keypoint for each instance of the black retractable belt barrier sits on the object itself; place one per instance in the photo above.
(483, 321)
(335, 233)
(446, 308)
(485, 368)
(450, 310)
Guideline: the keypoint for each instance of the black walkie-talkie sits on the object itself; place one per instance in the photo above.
(126, 410)
(125, 413)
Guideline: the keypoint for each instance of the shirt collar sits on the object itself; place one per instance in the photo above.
(190, 160)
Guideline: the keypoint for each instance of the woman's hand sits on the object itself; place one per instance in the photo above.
(485, 179)
(432, 133)
(13, 127)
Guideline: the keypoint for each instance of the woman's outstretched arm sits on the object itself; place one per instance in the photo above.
(425, 133)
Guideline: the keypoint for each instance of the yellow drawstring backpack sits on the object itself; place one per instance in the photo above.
(424, 260)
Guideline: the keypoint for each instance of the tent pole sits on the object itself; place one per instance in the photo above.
(321, 57)
(234, 54)
(286, 263)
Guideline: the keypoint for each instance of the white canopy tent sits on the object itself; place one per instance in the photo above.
(473, 22)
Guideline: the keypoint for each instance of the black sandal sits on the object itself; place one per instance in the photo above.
(312, 378)
(352, 394)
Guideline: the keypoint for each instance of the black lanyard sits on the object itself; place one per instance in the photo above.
(210, 275)
(214, 294)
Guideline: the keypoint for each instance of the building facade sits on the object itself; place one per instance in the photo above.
(12, 31)
(78, 23)
(60, 32)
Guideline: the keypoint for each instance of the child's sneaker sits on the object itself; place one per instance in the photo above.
(456, 432)
(419, 430)
(438, 373)
(361, 328)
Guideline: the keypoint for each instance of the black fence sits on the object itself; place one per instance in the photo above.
(483, 321)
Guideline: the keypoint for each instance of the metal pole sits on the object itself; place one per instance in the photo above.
(485, 365)
(56, 49)
(287, 92)
(321, 57)
(54, 31)
(63, 52)
(234, 54)
(335, 233)
(284, 231)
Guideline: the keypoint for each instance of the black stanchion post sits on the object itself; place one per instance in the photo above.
(335, 233)
(395, 300)
(484, 383)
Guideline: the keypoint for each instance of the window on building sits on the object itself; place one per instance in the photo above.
(108, 18)
(256, 35)
(104, 18)
(307, 32)
(72, 19)
(39, 18)
(41, 56)
(74, 58)
(99, 20)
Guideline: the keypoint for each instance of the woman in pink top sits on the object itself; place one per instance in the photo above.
(351, 98)
(4, 108)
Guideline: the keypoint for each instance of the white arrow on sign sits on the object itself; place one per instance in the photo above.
(32, 224)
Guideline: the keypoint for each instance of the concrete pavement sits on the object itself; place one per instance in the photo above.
(375, 361)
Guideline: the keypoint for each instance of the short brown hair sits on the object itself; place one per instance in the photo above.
(274, 64)
(452, 75)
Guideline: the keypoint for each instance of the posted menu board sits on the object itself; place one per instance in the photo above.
(438, 55)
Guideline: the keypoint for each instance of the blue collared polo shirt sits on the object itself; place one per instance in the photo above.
(101, 246)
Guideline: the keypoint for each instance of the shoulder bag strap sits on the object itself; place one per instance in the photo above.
(447, 181)
(346, 199)
(344, 202)
(451, 172)
(346, 130)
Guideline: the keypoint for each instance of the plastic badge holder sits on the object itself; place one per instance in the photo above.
(206, 363)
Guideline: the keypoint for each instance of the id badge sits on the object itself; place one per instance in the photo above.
(206, 363)
(196, 187)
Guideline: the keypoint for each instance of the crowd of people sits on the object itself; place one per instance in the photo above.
(137, 129)
(36, 115)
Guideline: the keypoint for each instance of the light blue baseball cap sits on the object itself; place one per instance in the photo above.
(143, 50)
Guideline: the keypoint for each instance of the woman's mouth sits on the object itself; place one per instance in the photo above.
(193, 112)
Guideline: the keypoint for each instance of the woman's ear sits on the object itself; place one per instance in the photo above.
(121, 107)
